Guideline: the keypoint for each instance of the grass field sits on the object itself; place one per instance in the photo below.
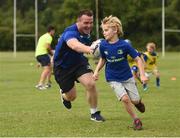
(25, 111)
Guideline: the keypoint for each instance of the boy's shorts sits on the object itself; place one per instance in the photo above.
(126, 87)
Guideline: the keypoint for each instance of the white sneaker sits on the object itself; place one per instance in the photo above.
(40, 87)
(48, 85)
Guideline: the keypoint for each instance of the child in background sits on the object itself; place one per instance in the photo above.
(133, 65)
(151, 62)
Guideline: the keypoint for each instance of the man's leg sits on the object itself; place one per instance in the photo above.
(44, 60)
(67, 97)
(87, 81)
(44, 74)
(70, 95)
(48, 79)
(65, 78)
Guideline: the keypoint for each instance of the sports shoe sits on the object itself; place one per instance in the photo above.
(145, 87)
(97, 117)
(140, 106)
(48, 85)
(157, 85)
(66, 103)
(40, 87)
(137, 124)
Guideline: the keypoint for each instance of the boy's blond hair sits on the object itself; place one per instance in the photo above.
(151, 45)
(113, 21)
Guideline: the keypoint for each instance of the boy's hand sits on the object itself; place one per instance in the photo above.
(95, 76)
(144, 79)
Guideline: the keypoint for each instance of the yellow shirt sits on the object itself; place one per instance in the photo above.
(41, 48)
(131, 61)
(151, 61)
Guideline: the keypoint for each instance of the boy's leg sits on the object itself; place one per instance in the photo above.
(145, 87)
(122, 95)
(158, 82)
(128, 106)
(157, 74)
(139, 105)
(137, 124)
(133, 94)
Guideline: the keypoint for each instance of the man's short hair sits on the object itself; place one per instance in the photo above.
(85, 12)
(50, 27)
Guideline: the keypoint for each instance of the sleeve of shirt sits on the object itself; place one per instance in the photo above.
(102, 55)
(145, 57)
(49, 39)
(132, 52)
(70, 34)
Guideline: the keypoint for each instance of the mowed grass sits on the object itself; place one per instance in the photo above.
(25, 111)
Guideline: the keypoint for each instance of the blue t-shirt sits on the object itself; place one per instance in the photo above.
(64, 56)
(117, 67)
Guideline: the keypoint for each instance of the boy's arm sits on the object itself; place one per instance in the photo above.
(142, 58)
(141, 69)
(98, 68)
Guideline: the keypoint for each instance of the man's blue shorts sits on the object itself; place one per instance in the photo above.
(44, 60)
(66, 77)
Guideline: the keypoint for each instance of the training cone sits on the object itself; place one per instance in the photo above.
(173, 78)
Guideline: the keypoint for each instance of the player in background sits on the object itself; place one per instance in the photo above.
(134, 67)
(114, 51)
(151, 62)
(133, 64)
(70, 65)
(43, 55)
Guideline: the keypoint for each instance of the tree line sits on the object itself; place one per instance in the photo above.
(141, 19)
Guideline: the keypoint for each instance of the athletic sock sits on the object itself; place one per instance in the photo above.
(158, 82)
(93, 110)
(144, 86)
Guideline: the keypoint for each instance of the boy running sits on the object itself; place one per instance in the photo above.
(118, 74)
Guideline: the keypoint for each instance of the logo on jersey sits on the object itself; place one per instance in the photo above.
(120, 52)
(113, 57)
(112, 60)
(88, 67)
(82, 36)
(106, 52)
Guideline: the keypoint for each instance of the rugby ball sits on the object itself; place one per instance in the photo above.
(95, 47)
(128, 41)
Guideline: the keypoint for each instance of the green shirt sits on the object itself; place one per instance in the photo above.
(41, 48)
